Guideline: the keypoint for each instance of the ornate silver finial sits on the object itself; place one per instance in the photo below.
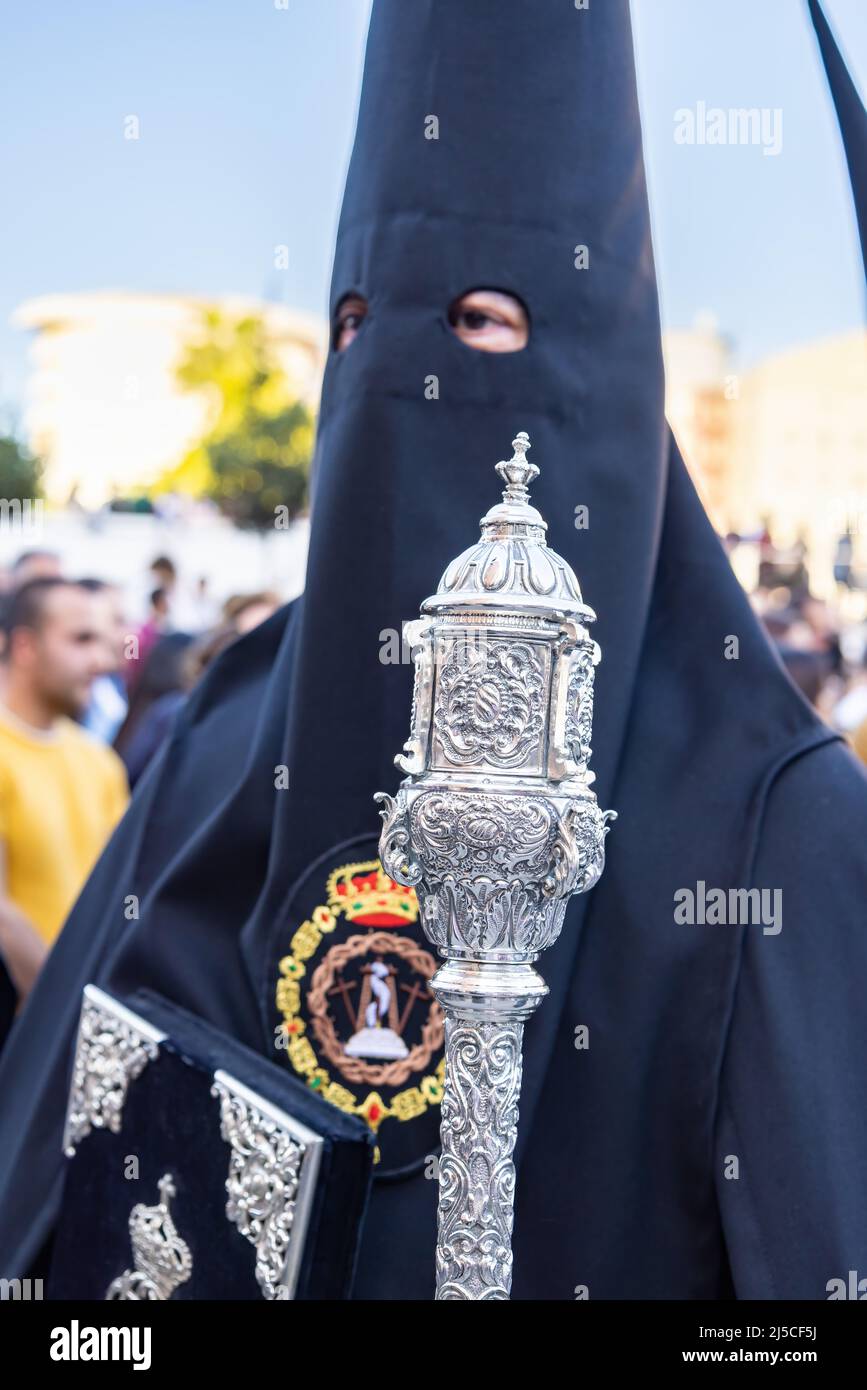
(495, 826)
(511, 563)
(517, 471)
(166, 1188)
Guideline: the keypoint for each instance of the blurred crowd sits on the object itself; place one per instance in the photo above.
(822, 642)
(92, 678)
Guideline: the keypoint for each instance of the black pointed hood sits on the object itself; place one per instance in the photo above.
(850, 113)
(538, 153)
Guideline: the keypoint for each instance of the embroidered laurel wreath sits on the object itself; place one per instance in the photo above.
(353, 1068)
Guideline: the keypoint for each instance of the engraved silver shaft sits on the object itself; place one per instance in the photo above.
(484, 1036)
(477, 1174)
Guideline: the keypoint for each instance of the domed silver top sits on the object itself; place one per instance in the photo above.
(510, 566)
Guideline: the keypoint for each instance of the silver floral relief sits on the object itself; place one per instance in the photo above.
(482, 834)
(483, 860)
(476, 1169)
(490, 703)
(492, 873)
(395, 851)
(262, 1185)
(579, 852)
(579, 701)
(113, 1048)
(488, 917)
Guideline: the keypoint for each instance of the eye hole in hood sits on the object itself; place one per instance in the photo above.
(350, 315)
(490, 320)
(485, 319)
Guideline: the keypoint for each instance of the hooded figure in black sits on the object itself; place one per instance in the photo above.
(712, 1138)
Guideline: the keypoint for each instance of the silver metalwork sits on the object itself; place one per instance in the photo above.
(162, 1260)
(274, 1160)
(113, 1047)
(273, 1168)
(495, 825)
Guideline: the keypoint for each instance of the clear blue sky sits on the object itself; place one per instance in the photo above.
(246, 117)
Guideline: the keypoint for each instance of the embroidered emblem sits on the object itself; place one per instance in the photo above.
(360, 1024)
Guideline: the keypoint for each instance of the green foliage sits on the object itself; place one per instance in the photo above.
(263, 464)
(256, 454)
(20, 471)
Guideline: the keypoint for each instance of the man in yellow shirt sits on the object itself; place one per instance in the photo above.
(61, 792)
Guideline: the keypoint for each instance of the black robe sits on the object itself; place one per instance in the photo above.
(714, 1050)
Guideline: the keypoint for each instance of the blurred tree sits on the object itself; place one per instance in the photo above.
(20, 471)
(256, 454)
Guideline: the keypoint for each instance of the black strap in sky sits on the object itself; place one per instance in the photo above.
(851, 115)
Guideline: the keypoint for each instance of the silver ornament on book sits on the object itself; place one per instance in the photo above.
(162, 1260)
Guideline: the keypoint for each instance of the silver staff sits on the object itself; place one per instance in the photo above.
(495, 825)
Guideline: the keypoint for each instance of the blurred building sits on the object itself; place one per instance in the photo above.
(700, 386)
(104, 407)
(784, 443)
(800, 448)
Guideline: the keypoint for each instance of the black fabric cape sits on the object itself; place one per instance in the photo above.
(706, 1043)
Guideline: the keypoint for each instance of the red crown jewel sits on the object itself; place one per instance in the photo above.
(365, 894)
